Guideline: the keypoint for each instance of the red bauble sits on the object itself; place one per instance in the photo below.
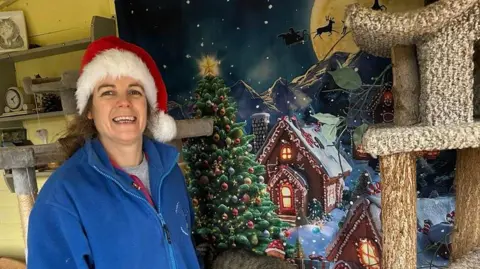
(250, 224)
(203, 180)
(246, 198)
(225, 216)
(287, 233)
(205, 163)
(235, 212)
(237, 141)
(250, 170)
(222, 98)
(222, 111)
(218, 172)
(227, 128)
(219, 158)
(224, 186)
(388, 96)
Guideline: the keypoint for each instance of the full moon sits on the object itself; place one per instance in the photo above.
(336, 10)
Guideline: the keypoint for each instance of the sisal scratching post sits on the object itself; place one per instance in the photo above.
(398, 172)
(466, 235)
(26, 189)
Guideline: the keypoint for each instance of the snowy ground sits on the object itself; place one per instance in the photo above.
(434, 209)
(315, 239)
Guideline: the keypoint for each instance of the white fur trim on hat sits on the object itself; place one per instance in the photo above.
(162, 126)
(115, 63)
(275, 250)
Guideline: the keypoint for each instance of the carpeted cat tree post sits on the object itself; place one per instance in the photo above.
(432, 51)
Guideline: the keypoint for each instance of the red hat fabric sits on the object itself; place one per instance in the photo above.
(112, 56)
(277, 246)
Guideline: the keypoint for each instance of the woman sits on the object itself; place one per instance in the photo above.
(120, 199)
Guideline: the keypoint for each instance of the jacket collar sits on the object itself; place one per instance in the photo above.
(161, 157)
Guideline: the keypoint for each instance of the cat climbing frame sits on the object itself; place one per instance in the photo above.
(432, 51)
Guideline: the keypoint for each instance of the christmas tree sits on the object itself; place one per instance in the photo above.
(315, 210)
(232, 206)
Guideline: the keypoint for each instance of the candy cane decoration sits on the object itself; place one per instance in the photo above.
(426, 226)
(374, 188)
(451, 217)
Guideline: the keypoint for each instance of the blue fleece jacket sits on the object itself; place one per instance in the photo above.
(88, 215)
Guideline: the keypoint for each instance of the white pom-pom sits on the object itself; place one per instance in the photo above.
(163, 127)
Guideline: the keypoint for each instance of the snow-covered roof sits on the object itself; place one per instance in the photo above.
(372, 206)
(326, 153)
(324, 156)
(375, 209)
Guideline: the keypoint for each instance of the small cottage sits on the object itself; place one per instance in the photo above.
(302, 165)
(358, 244)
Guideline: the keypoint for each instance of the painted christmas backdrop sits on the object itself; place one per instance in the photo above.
(284, 173)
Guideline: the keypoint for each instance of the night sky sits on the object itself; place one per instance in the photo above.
(242, 34)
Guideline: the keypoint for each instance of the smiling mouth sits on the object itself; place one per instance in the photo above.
(124, 119)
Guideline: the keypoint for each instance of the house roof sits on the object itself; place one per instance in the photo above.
(364, 207)
(323, 155)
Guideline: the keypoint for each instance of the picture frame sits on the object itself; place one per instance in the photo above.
(13, 32)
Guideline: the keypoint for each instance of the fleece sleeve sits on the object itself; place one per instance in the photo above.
(56, 240)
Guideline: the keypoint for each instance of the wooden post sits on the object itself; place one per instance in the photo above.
(26, 189)
(398, 171)
(22, 163)
(466, 234)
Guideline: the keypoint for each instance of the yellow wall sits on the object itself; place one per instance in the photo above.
(48, 22)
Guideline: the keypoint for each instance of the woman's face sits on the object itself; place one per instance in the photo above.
(119, 110)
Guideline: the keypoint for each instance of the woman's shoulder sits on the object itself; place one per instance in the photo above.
(62, 179)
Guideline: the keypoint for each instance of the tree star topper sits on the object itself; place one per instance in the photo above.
(208, 65)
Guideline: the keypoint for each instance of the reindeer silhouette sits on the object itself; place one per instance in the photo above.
(344, 29)
(377, 6)
(327, 28)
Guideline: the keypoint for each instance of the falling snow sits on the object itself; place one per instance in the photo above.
(188, 56)
(201, 44)
(198, 25)
(238, 28)
(266, 22)
(165, 66)
(270, 6)
(188, 2)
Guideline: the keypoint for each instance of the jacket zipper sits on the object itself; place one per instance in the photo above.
(159, 216)
(164, 224)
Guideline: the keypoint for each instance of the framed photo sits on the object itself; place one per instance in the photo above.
(13, 31)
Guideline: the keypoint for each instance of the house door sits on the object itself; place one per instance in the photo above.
(287, 199)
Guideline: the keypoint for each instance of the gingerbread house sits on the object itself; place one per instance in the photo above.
(302, 165)
(358, 243)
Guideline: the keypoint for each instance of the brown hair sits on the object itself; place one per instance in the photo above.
(81, 128)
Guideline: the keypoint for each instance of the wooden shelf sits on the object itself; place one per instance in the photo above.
(46, 51)
(8, 178)
(37, 174)
(32, 116)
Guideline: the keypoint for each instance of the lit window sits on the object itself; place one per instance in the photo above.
(368, 254)
(286, 153)
(286, 197)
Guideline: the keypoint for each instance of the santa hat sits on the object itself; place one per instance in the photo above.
(276, 246)
(111, 56)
